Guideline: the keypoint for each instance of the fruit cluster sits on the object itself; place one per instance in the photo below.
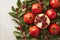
(42, 20)
(39, 20)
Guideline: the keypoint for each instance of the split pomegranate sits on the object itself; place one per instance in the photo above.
(41, 21)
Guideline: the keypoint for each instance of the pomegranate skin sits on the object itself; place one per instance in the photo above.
(51, 13)
(54, 3)
(34, 31)
(28, 17)
(54, 29)
(37, 8)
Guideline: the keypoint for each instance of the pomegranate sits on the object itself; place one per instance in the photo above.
(54, 29)
(51, 13)
(41, 21)
(34, 31)
(28, 17)
(37, 8)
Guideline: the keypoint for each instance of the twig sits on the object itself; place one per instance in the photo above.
(39, 1)
(22, 5)
(24, 36)
(46, 36)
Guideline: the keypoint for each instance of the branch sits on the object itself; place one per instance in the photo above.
(22, 5)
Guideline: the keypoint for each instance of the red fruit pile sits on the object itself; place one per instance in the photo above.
(42, 20)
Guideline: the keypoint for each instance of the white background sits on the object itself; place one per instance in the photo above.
(6, 24)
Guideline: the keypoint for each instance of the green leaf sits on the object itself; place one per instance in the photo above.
(18, 3)
(33, 39)
(18, 34)
(53, 38)
(21, 20)
(18, 38)
(13, 9)
(30, 38)
(24, 25)
(16, 28)
(56, 20)
(20, 10)
(12, 14)
(28, 0)
(21, 14)
(46, 5)
(16, 21)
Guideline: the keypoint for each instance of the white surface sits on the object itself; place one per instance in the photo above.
(6, 24)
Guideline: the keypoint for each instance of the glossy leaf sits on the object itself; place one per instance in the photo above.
(19, 3)
(13, 9)
(12, 14)
(18, 34)
(17, 21)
